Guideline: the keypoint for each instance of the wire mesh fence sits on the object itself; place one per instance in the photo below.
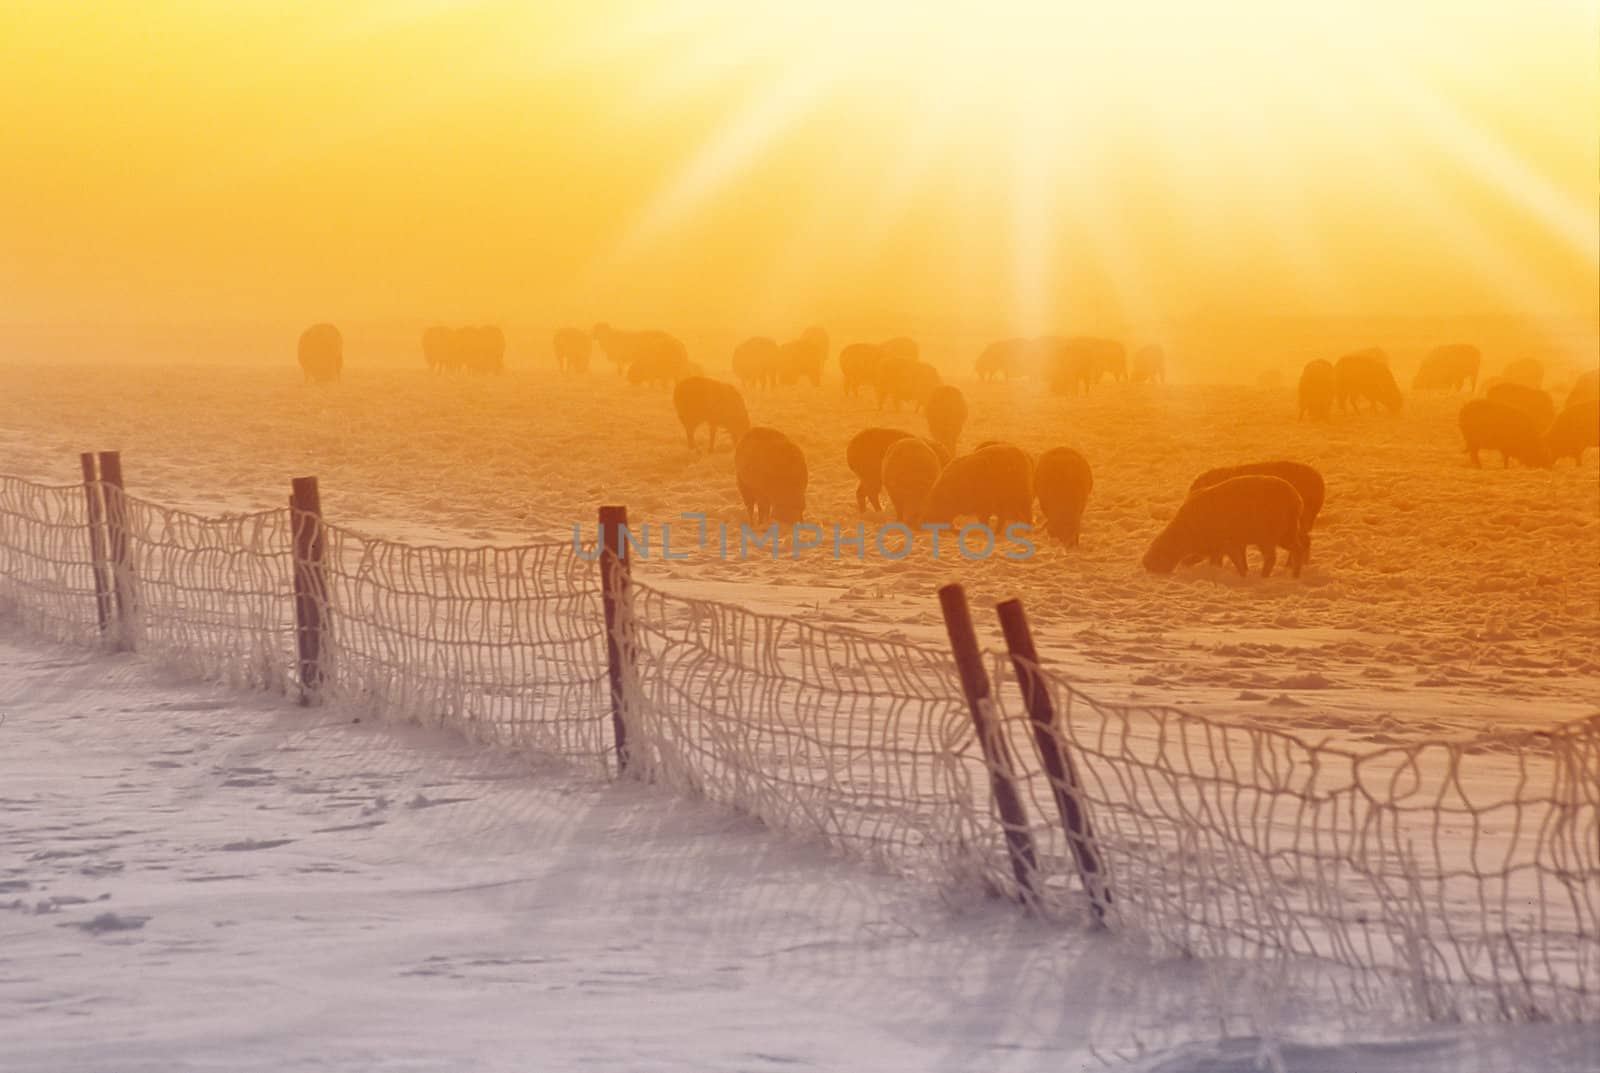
(1453, 879)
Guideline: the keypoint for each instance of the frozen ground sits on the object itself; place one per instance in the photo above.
(193, 879)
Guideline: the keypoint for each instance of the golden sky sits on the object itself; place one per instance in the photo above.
(1037, 164)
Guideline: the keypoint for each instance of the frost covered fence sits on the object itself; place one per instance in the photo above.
(1456, 879)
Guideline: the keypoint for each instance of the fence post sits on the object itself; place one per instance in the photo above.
(1053, 753)
(615, 576)
(97, 541)
(120, 565)
(310, 583)
(1002, 779)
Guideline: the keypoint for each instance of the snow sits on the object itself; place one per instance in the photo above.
(196, 879)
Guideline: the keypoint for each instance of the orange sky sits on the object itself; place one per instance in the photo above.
(1032, 164)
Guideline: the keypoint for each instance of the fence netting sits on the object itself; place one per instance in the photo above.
(505, 643)
(1459, 880)
(1455, 879)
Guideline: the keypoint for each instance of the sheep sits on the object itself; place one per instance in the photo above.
(1365, 375)
(321, 353)
(1150, 365)
(1585, 389)
(1062, 482)
(700, 400)
(1448, 367)
(1317, 389)
(1007, 358)
(662, 351)
(1525, 371)
(1225, 519)
(946, 409)
(572, 347)
(990, 483)
(1305, 480)
(770, 470)
(901, 347)
(437, 347)
(911, 467)
(1107, 356)
(1576, 429)
(1490, 425)
(1069, 364)
(804, 357)
(901, 379)
(1532, 401)
(864, 455)
(858, 363)
(755, 362)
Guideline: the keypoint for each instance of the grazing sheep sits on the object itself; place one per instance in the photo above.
(990, 483)
(755, 362)
(1585, 389)
(1448, 368)
(1008, 358)
(858, 363)
(1525, 371)
(701, 400)
(1317, 389)
(864, 456)
(1109, 357)
(771, 474)
(911, 467)
(1494, 426)
(947, 415)
(1150, 365)
(1576, 429)
(437, 344)
(666, 356)
(1225, 519)
(1535, 403)
(901, 379)
(1062, 481)
(804, 357)
(1305, 479)
(572, 347)
(1365, 375)
(1068, 364)
(321, 353)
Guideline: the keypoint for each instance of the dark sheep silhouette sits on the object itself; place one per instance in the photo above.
(666, 358)
(1071, 365)
(1494, 426)
(991, 483)
(911, 467)
(947, 415)
(864, 456)
(1576, 429)
(1525, 371)
(901, 379)
(321, 353)
(858, 364)
(1224, 520)
(1305, 480)
(1537, 404)
(1150, 365)
(1318, 386)
(770, 470)
(755, 362)
(572, 347)
(1062, 481)
(1585, 389)
(803, 358)
(1365, 375)
(1449, 368)
(700, 400)
(901, 346)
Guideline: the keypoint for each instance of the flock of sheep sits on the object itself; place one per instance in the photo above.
(1269, 505)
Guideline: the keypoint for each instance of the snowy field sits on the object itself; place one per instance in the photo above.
(193, 880)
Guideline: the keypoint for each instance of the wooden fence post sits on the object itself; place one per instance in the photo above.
(97, 540)
(310, 584)
(1002, 778)
(1053, 753)
(615, 576)
(117, 559)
